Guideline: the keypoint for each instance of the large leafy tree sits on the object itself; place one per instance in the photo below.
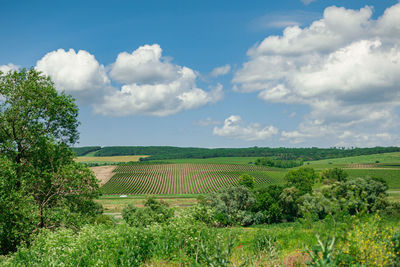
(37, 125)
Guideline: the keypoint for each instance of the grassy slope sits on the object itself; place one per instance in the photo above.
(388, 158)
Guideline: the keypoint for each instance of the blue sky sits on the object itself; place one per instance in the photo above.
(217, 73)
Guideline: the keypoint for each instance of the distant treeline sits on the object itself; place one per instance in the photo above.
(169, 152)
(81, 151)
(279, 163)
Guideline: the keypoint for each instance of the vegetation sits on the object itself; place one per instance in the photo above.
(49, 216)
(81, 151)
(331, 235)
(279, 163)
(153, 212)
(167, 152)
(40, 184)
(180, 178)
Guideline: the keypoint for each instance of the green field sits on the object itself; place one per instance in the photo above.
(199, 176)
(384, 160)
(185, 178)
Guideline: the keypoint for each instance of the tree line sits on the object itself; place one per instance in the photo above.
(280, 153)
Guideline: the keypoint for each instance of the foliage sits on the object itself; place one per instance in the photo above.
(335, 174)
(234, 206)
(322, 254)
(368, 244)
(168, 152)
(303, 179)
(122, 245)
(247, 181)
(359, 194)
(81, 151)
(279, 163)
(37, 124)
(153, 212)
(269, 203)
(17, 209)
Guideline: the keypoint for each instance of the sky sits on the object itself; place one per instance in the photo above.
(300, 73)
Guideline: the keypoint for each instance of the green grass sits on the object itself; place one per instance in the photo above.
(385, 158)
(90, 154)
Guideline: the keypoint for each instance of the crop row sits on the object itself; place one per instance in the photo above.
(179, 178)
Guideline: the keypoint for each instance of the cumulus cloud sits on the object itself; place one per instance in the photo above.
(160, 99)
(153, 86)
(76, 73)
(234, 127)
(150, 83)
(345, 66)
(144, 66)
(219, 71)
(8, 67)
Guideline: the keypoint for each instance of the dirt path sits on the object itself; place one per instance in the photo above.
(103, 173)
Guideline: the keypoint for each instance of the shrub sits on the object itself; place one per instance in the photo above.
(335, 174)
(303, 179)
(247, 181)
(234, 206)
(269, 203)
(153, 212)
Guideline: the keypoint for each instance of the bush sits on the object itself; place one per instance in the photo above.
(303, 179)
(360, 194)
(269, 203)
(153, 212)
(335, 174)
(247, 181)
(234, 206)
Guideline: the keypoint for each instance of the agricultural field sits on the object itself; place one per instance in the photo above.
(385, 160)
(185, 178)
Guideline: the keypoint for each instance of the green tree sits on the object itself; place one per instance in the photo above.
(303, 179)
(37, 125)
(334, 174)
(247, 181)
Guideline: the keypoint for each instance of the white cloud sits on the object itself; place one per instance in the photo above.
(8, 67)
(151, 85)
(282, 20)
(78, 74)
(219, 71)
(345, 66)
(234, 128)
(159, 99)
(144, 66)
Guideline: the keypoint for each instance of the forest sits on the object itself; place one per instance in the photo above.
(170, 152)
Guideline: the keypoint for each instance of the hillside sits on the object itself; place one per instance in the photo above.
(169, 152)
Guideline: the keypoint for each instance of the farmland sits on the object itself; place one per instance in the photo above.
(183, 178)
